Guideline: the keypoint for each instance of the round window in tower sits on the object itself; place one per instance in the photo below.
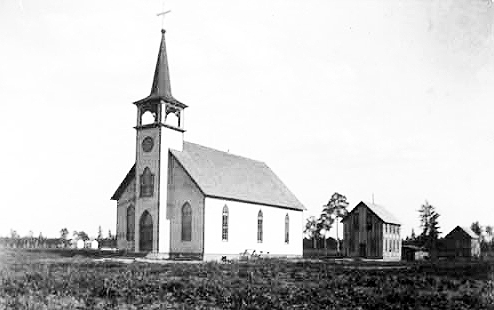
(147, 144)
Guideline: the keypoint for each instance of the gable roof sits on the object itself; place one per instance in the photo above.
(226, 176)
(126, 181)
(466, 230)
(378, 210)
(470, 232)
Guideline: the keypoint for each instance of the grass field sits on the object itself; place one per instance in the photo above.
(54, 280)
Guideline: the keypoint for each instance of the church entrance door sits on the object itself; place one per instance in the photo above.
(146, 232)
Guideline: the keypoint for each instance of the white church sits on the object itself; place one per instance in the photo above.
(181, 199)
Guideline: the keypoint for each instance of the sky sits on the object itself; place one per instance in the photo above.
(391, 99)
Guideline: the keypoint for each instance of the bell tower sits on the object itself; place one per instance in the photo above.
(160, 120)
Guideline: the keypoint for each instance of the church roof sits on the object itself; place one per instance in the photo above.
(226, 176)
(126, 181)
(161, 88)
(378, 210)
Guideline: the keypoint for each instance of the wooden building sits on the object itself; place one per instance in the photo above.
(461, 242)
(370, 231)
(411, 252)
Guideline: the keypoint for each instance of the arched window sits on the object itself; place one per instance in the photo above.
(186, 222)
(147, 183)
(259, 226)
(287, 228)
(224, 224)
(131, 220)
(148, 117)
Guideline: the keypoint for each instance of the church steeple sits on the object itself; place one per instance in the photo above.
(160, 128)
(161, 93)
(161, 81)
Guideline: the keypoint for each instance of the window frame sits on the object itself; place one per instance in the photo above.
(186, 223)
(130, 233)
(146, 182)
(287, 229)
(260, 222)
(224, 223)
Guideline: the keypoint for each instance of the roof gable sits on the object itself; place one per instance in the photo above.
(126, 181)
(465, 230)
(223, 175)
(378, 210)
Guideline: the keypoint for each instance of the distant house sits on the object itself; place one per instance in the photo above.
(91, 244)
(461, 242)
(78, 243)
(370, 231)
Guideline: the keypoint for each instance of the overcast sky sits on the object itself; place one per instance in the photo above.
(391, 98)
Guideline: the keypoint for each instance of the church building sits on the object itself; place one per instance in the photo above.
(184, 199)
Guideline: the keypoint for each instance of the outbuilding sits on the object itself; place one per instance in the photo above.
(461, 242)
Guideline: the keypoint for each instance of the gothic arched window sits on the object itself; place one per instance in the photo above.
(259, 226)
(186, 222)
(147, 183)
(224, 224)
(131, 220)
(287, 228)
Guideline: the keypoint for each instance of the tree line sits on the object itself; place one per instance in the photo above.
(14, 240)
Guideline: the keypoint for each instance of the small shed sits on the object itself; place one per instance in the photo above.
(462, 242)
(413, 253)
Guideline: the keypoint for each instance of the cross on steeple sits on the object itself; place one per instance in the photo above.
(162, 14)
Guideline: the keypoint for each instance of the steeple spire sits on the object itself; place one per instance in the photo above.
(161, 89)
(161, 81)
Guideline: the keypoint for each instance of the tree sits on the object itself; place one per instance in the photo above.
(81, 235)
(476, 228)
(332, 211)
(430, 226)
(100, 233)
(323, 225)
(488, 230)
(14, 234)
(64, 232)
(311, 229)
(433, 229)
(425, 211)
(489, 233)
(413, 236)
